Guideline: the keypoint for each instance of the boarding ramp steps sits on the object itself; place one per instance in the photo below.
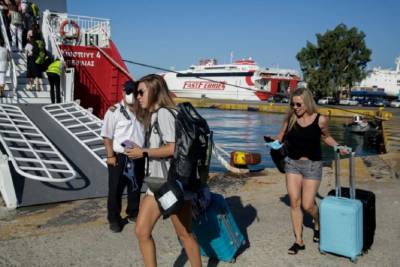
(82, 125)
(25, 94)
(92, 175)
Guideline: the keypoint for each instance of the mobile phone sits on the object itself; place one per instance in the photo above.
(268, 139)
(127, 144)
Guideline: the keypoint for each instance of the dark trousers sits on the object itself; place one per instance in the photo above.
(54, 80)
(116, 185)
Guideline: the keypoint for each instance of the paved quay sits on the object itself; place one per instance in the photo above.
(76, 233)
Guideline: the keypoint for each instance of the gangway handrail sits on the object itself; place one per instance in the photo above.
(67, 91)
(12, 66)
(53, 41)
(87, 127)
(37, 158)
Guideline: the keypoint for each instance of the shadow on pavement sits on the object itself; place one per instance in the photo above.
(244, 217)
(307, 220)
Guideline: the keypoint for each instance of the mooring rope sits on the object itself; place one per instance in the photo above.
(217, 150)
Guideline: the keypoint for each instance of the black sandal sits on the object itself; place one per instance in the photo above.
(316, 236)
(295, 248)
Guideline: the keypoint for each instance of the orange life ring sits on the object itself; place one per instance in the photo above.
(74, 25)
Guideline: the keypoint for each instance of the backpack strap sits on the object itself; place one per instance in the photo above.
(156, 125)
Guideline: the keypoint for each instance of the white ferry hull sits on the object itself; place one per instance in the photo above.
(241, 80)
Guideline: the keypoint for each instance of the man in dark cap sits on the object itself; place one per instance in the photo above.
(122, 129)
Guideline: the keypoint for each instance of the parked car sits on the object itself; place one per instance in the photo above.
(279, 99)
(328, 100)
(395, 104)
(348, 102)
(374, 102)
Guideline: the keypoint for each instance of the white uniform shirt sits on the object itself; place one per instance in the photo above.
(118, 128)
(166, 121)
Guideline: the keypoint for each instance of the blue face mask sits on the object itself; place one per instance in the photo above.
(275, 145)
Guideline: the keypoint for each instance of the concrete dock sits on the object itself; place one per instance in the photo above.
(76, 233)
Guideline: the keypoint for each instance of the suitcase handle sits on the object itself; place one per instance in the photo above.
(338, 191)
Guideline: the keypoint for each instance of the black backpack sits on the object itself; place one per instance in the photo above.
(193, 146)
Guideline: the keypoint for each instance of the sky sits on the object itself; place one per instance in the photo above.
(176, 34)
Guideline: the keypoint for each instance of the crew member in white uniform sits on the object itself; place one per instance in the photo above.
(122, 126)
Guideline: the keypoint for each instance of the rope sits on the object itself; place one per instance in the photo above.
(224, 163)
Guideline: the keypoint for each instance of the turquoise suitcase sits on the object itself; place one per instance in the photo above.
(341, 219)
(216, 231)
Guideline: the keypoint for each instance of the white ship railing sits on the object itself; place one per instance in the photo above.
(90, 28)
(81, 125)
(12, 67)
(31, 153)
(67, 76)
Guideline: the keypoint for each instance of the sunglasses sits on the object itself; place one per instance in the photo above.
(297, 105)
(139, 92)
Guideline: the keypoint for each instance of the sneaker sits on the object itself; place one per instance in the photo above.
(115, 227)
(132, 219)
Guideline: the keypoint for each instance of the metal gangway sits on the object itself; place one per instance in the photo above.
(81, 124)
(30, 152)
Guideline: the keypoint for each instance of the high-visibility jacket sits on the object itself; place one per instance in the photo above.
(55, 67)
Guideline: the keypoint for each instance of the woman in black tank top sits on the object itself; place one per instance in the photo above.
(303, 130)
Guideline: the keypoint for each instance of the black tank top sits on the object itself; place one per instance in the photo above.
(304, 141)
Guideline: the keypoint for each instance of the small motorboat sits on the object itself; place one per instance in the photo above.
(358, 124)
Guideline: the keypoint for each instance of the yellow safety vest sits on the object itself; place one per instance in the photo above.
(55, 67)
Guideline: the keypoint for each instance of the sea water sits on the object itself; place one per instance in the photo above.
(244, 130)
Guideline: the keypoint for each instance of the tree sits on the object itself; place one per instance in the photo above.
(338, 60)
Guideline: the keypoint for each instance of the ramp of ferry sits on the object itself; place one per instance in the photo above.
(75, 133)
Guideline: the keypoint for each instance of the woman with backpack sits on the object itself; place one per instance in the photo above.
(154, 96)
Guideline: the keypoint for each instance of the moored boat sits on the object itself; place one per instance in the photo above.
(358, 125)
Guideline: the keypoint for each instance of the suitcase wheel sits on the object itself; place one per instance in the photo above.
(353, 260)
(232, 260)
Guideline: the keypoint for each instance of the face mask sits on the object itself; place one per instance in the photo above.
(129, 99)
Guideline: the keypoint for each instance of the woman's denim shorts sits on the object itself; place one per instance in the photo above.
(309, 169)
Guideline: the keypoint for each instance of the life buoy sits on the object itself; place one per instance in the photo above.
(76, 33)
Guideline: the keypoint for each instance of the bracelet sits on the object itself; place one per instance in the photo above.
(113, 156)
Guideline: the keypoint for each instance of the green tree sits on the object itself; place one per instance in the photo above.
(338, 60)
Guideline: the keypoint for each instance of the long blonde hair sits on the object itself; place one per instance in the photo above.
(309, 103)
(159, 95)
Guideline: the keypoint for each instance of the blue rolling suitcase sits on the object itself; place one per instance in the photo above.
(216, 231)
(341, 219)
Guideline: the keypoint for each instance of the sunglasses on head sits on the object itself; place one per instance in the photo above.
(297, 105)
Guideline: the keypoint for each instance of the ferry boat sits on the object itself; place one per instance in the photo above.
(54, 152)
(240, 80)
(386, 81)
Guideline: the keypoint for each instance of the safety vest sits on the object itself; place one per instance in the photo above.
(55, 67)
